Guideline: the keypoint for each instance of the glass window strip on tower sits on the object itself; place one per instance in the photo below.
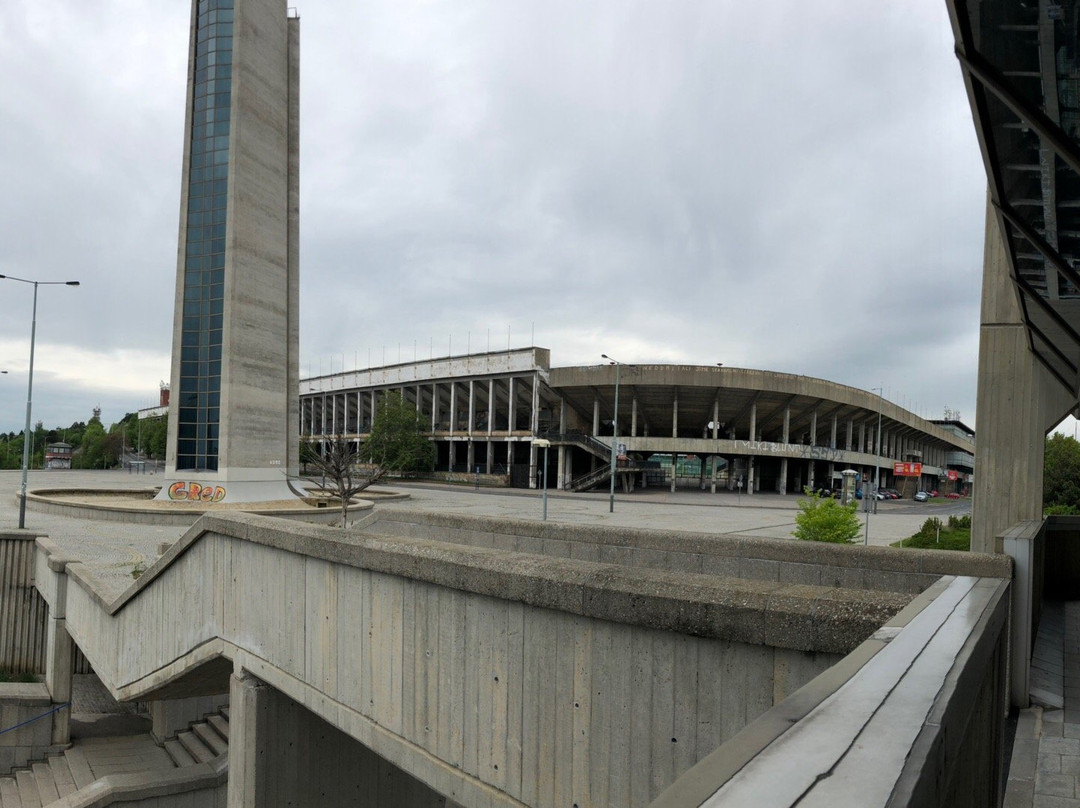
(204, 267)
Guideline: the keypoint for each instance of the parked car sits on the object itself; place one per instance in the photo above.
(922, 496)
(933, 493)
(952, 495)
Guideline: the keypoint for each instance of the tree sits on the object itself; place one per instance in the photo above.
(397, 443)
(1061, 474)
(335, 470)
(826, 520)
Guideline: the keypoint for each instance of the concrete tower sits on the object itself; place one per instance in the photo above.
(233, 413)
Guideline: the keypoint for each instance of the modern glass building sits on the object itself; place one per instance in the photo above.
(233, 415)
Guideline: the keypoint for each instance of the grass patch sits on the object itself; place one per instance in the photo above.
(937, 535)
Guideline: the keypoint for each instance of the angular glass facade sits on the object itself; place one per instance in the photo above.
(204, 267)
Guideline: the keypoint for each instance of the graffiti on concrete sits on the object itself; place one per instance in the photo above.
(194, 492)
(789, 449)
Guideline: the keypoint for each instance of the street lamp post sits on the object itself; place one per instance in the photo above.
(30, 386)
(877, 467)
(545, 444)
(614, 431)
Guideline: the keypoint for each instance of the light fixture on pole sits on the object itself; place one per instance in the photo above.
(545, 444)
(30, 386)
(614, 431)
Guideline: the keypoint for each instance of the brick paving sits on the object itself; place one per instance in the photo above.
(1045, 767)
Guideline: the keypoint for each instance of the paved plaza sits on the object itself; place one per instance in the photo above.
(114, 549)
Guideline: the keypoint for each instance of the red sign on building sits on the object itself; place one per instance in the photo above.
(907, 469)
(952, 475)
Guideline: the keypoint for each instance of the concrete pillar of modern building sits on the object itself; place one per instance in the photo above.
(534, 416)
(715, 463)
(491, 410)
(596, 415)
(633, 416)
(58, 656)
(1017, 401)
(560, 473)
(850, 433)
(248, 713)
(750, 475)
(675, 415)
(862, 437)
(703, 460)
(753, 421)
(533, 483)
(451, 451)
(453, 408)
(511, 406)
(470, 456)
(472, 406)
(786, 438)
(434, 405)
(810, 475)
(832, 435)
(490, 456)
(674, 469)
(813, 428)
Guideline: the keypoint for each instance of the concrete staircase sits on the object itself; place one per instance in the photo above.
(87, 761)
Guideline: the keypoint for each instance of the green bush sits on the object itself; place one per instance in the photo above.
(931, 528)
(1060, 510)
(826, 520)
(960, 522)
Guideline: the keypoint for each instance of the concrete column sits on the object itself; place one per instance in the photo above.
(832, 436)
(472, 407)
(850, 433)
(862, 437)
(568, 467)
(470, 455)
(453, 408)
(716, 417)
(534, 418)
(813, 428)
(58, 652)
(490, 456)
(715, 463)
(511, 406)
(674, 467)
(810, 475)
(750, 475)
(248, 713)
(451, 452)
(491, 412)
(434, 405)
(753, 422)
(675, 416)
(701, 472)
(562, 416)
(633, 416)
(782, 482)
(1016, 402)
(595, 416)
(532, 466)
(787, 425)
(560, 472)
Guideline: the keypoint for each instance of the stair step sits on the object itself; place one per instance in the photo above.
(208, 735)
(9, 793)
(28, 792)
(80, 768)
(46, 786)
(180, 756)
(221, 724)
(225, 712)
(197, 748)
(61, 773)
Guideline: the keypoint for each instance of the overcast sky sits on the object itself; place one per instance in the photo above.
(788, 186)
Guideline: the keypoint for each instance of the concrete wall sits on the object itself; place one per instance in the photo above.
(811, 563)
(914, 717)
(488, 675)
(303, 761)
(201, 786)
(20, 703)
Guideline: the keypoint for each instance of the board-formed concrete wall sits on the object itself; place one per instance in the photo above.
(492, 676)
